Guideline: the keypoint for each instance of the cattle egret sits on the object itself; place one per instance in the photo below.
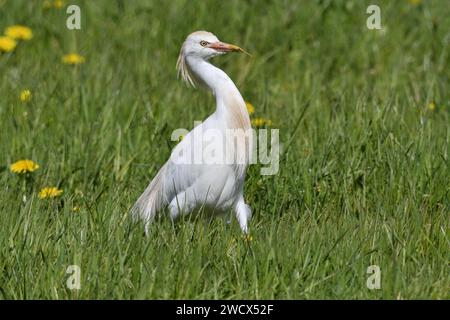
(183, 187)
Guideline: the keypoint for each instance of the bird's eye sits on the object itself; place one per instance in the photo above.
(204, 43)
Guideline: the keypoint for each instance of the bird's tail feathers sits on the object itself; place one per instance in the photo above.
(151, 200)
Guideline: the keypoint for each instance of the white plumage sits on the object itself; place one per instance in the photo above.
(218, 186)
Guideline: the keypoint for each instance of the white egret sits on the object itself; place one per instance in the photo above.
(216, 187)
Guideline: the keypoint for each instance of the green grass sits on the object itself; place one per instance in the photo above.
(364, 174)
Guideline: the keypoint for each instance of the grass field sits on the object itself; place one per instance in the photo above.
(364, 170)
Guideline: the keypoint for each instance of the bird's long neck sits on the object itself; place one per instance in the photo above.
(230, 104)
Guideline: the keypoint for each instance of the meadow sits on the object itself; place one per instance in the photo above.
(363, 117)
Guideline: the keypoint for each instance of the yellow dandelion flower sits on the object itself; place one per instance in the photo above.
(261, 122)
(231, 250)
(250, 107)
(7, 44)
(24, 166)
(431, 106)
(73, 59)
(76, 209)
(25, 95)
(257, 122)
(58, 4)
(49, 192)
(19, 32)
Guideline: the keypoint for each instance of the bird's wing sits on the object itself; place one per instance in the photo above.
(184, 170)
(184, 166)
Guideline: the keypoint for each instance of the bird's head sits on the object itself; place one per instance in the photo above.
(203, 45)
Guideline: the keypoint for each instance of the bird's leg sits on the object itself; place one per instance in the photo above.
(180, 204)
(176, 206)
(243, 215)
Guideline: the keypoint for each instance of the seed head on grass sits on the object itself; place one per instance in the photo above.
(24, 166)
(50, 192)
